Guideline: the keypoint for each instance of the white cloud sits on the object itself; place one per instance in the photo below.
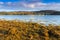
(32, 6)
(26, 5)
(1, 2)
(47, 6)
(1, 5)
(29, 5)
(9, 3)
(36, 5)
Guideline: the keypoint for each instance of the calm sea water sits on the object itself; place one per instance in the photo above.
(47, 19)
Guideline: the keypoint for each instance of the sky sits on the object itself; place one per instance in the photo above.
(29, 5)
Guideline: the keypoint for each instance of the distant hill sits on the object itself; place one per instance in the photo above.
(17, 13)
(48, 12)
(42, 12)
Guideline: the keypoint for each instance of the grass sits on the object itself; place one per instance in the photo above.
(18, 30)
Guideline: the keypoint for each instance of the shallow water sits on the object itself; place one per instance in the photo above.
(46, 19)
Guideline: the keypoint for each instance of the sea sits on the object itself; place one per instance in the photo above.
(45, 19)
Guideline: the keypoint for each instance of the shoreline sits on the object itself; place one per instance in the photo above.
(26, 21)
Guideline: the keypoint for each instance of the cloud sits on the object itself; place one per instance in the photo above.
(1, 2)
(1, 5)
(30, 6)
(9, 3)
(41, 6)
(25, 4)
(35, 5)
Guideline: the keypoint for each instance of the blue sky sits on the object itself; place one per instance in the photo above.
(29, 5)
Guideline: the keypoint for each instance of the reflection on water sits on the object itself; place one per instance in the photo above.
(47, 19)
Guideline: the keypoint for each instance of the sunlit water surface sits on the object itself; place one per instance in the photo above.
(46, 19)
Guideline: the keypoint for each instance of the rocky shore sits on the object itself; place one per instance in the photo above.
(18, 30)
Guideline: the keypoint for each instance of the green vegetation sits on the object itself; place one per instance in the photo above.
(17, 30)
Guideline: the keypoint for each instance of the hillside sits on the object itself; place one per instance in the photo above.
(15, 13)
(48, 12)
(42, 12)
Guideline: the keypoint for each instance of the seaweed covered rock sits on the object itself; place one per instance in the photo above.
(18, 30)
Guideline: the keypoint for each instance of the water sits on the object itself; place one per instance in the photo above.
(47, 19)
